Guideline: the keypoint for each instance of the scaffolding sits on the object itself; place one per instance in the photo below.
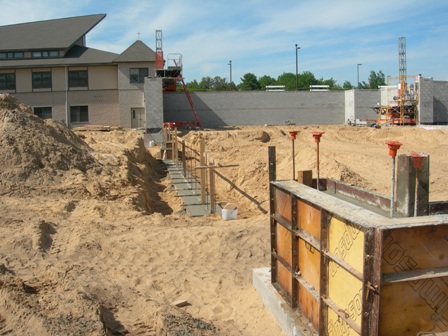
(400, 106)
(171, 73)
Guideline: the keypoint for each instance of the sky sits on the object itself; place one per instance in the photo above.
(259, 36)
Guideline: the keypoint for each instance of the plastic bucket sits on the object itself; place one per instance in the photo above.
(229, 212)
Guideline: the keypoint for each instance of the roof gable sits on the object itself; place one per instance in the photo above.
(137, 52)
(49, 34)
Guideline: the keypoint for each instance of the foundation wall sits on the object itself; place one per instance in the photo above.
(353, 272)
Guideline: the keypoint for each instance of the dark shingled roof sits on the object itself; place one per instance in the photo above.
(77, 55)
(49, 34)
(137, 52)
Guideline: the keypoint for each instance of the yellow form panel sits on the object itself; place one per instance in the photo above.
(309, 264)
(346, 241)
(309, 218)
(309, 306)
(337, 326)
(283, 205)
(423, 306)
(284, 248)
(345, 291)
(284, 278)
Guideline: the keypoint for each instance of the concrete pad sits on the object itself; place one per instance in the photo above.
(291, 321)
(197, 210)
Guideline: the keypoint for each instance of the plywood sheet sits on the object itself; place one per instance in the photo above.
(283, 204)
(284, 279)
(284, 249)
(309, 306)
(337, 327)
(309, 218)
(408, 249)
(345, 290)
(420, 305)
(346, 241)
(309, 264)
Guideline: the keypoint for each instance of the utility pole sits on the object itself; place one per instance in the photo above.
(358, 65)
(230, 63)
(297, 66)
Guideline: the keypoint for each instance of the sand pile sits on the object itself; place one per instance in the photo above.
(35, 150)
(43, 156)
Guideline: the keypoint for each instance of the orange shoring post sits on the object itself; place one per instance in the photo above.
(393, 148)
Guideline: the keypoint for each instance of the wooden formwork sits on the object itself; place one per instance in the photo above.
(351, 271)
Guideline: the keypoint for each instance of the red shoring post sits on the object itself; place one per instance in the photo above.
(417, 159)
(292, 135)
(317, 136)
(393, 148)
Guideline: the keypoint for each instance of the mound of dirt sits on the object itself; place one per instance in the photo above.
(45, 157)
(35, 150)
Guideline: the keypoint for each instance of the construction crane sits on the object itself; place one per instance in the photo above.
(171, 74)
(402, 97)
(402, 73)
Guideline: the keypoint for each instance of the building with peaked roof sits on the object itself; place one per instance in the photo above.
(47, 65)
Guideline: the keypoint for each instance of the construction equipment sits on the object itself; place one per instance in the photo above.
(401, 107)
(171, 72)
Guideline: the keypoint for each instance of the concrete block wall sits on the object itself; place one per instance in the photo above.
(153, 102)
(426, 101)
(358, 104)
(440, 102)
(217, 109)
(433, 101)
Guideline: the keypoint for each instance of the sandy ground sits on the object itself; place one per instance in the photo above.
(93, 241)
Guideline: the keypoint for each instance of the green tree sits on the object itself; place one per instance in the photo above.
(249, 82)
(206, 83)
(376, 79)
(193, 86)
(307, 78)
(266, 80)
(220, 84)
(288, 79)
(347, 85)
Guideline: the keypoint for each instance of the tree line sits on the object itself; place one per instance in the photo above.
(250, 82)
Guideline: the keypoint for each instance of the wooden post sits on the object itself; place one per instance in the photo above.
(176, 147)
(212, 191)
(184, 159)
(272, 177)
(172, 146)
(212, 182)
(202, 163)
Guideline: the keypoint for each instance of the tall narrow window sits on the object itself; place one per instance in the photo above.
(137, 75)
(78, 78)
(42, 80)
(7, 81)
(79, 114)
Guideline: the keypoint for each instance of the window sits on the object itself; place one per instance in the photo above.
(17, 54)
(42, 80)
(79, 114)
(45, 54)
(43, 112)
(77, 78)
(7, 81)
(137, 75)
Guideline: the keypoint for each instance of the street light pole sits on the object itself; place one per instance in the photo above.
(230, 63)
(297, 66)
(358, 65)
